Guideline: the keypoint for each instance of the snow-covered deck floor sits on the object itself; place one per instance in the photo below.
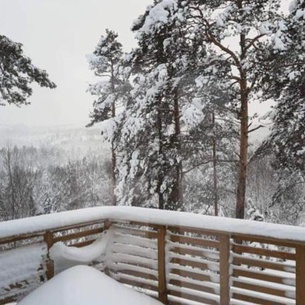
(85, 285)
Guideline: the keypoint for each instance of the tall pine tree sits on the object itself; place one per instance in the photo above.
(237, 32)
(286, 85)
(111, 91)
(159, 64)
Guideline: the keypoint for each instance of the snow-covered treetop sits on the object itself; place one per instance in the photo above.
(112, 87)
(107, 52)
(156, 17)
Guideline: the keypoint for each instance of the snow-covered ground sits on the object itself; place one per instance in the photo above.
(85, 285)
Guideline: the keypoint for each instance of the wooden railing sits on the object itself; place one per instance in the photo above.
(178, 264)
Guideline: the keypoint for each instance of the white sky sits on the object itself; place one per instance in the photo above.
(57, 35)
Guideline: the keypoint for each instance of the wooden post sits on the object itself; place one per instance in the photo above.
(224, 266)
(300, 275)
(107, 225)
(162, 289)
(48, 238)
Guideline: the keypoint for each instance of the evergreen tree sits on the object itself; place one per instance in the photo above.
(210, 151)
(17, 73)
(111, 91)
(169, 120)
(248, 23)
(147, 162)
(161, 109)
(286, 85)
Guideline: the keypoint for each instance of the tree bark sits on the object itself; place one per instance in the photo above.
(177, 192)
(243, 150)
(113, 153)
(160, 153)
(113, 176)
(243, 165)
(244, 126)
(215, 181)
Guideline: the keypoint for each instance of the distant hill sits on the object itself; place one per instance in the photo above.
(73, 140)
(76, 141)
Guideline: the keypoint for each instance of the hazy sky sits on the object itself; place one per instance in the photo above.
(57, 35)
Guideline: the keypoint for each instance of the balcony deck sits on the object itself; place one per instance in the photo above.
(179, 258)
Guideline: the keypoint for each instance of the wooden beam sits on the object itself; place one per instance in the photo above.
(195, 241)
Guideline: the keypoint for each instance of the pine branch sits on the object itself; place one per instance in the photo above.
(207, 162)
(256, 128)
(253, 41)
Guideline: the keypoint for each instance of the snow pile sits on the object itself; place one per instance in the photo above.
(84, 285)
(66, 257)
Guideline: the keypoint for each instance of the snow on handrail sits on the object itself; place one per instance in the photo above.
(151, 216)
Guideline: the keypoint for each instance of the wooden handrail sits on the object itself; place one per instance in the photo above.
(170, 262)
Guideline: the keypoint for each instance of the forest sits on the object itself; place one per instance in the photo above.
(41, 180)
(175, 114)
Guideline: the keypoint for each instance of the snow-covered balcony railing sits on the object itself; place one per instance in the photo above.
(179, 258)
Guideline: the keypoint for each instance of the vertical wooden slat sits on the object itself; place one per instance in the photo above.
(300, 275)
(162, 289)
(224, 254)
(48, 238)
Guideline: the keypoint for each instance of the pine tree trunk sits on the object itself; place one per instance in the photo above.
(160, 194)
(113, 153)
(243, 152)
(160, 152)
(244, 125)
(215, 182)
(177, 192)
(113, 176)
